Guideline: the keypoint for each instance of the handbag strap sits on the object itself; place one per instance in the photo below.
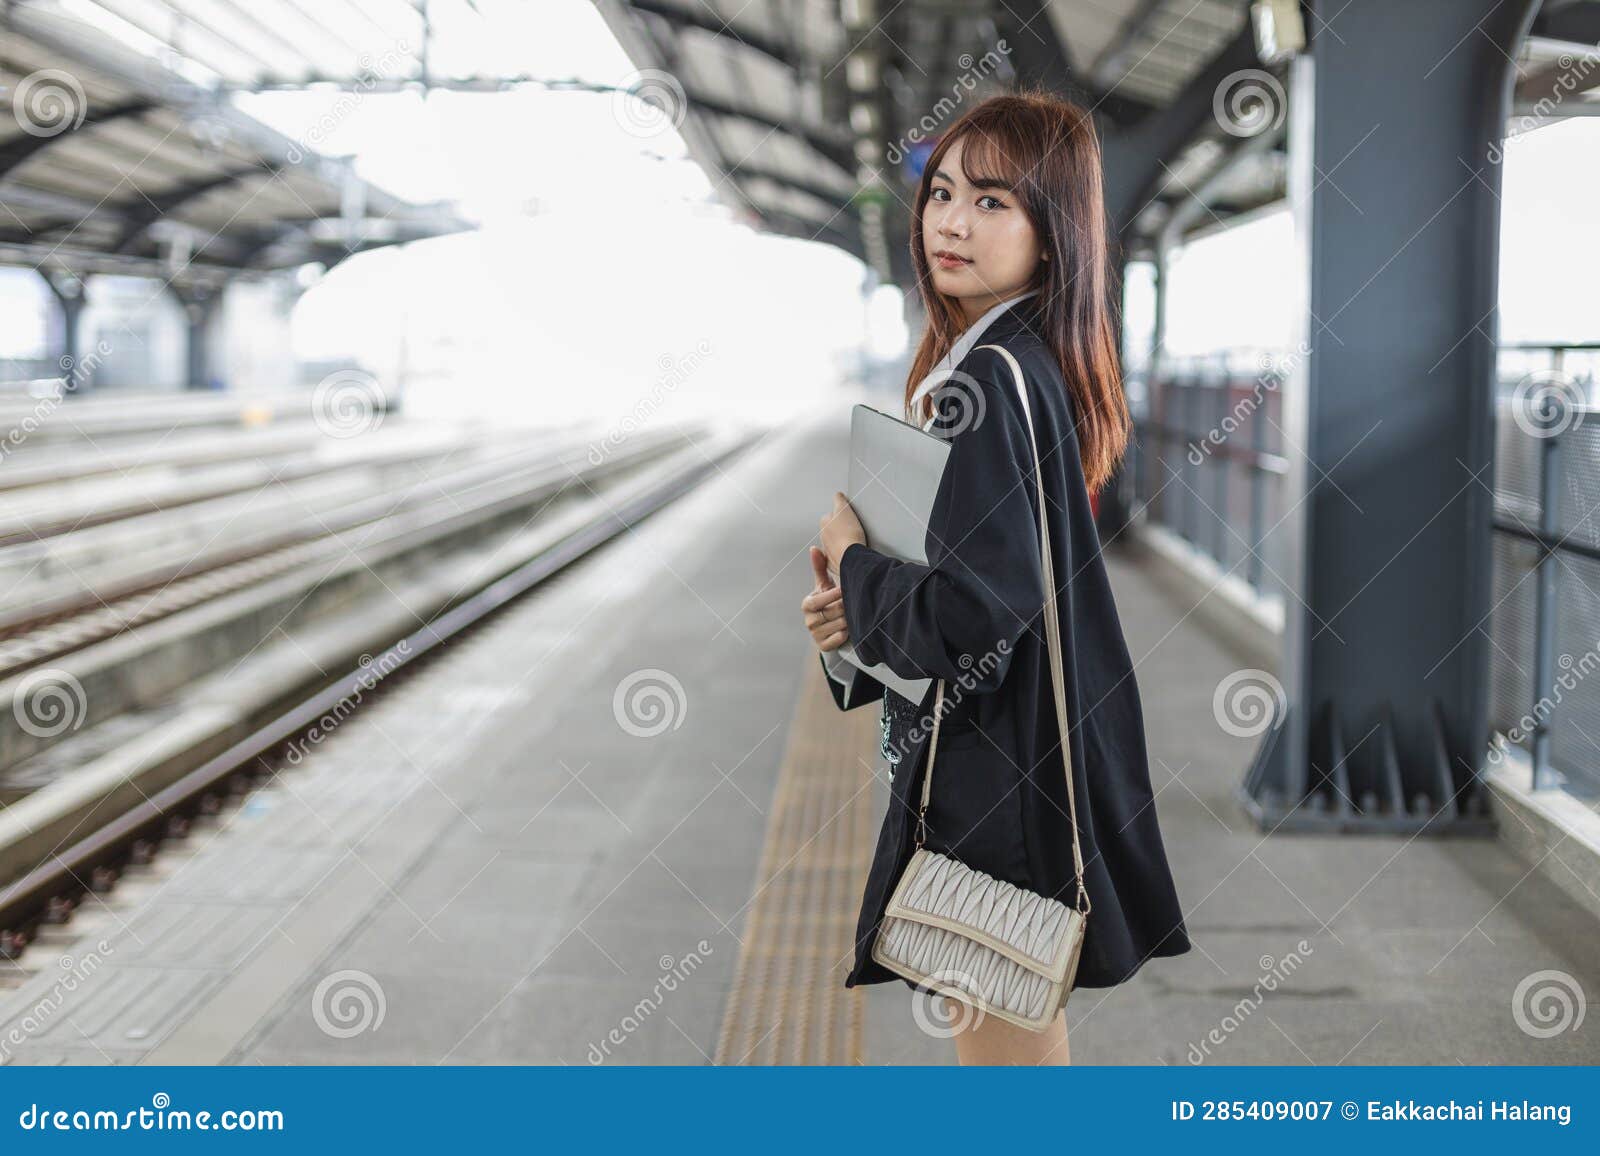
(1052, 629)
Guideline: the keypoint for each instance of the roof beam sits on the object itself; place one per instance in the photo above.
(339, 43)
(390, 84)
(1039, 56)
(148, 210)
(188, 22)
(837, 148)
(17, 150)
(811, 188)
(265, 30)
(1107, 68)
(707, 22)
(1133, 159)
(259, 242)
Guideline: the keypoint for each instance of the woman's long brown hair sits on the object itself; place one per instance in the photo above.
(1045, 148)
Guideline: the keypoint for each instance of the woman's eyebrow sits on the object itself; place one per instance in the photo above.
(980, 183)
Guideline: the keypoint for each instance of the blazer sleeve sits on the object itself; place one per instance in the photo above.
(959, 616)
(851, 686)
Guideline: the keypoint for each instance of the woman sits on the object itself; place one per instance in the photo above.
(1008, 240)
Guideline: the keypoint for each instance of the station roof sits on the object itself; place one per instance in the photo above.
(799, 110)
(795, 110)
(120, 150)
(798, 107)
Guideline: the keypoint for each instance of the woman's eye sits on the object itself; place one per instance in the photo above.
(935, 194)
(996, 200)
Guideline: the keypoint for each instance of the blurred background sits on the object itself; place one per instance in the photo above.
(494, 351)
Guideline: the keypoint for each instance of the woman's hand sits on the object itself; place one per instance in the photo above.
(840, 529)
(824, 607)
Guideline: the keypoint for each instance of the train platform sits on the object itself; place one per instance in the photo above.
(620, 821)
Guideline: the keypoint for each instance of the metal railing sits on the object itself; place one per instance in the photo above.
(1206, 459)
(1545, 621)
(1208, 462)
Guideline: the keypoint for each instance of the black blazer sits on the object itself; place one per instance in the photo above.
(974, 616)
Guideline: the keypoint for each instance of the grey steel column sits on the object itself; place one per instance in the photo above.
(68, 291)
(200, 305)
(1385, 653)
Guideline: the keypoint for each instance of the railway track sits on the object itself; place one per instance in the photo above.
(46, 629)
(51, 859)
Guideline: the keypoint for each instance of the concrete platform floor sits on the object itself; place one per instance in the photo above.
(544, 851)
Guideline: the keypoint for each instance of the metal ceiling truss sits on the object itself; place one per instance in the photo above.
(149, 210)
(836, 147)
(833, 196)
(20, 148)
(703, 21)
(175, 175)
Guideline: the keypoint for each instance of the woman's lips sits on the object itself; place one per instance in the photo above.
(946, 261)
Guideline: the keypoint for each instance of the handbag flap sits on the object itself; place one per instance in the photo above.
(1038, 933)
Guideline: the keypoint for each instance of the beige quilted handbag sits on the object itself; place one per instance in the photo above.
(1003, 950)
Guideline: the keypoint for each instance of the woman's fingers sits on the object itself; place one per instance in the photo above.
(822, 628)
(821, 599)
(825, 619)
(833, 612)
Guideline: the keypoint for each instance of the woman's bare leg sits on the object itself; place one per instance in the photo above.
(990, 1040)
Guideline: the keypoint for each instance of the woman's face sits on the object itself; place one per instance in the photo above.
(986, 229)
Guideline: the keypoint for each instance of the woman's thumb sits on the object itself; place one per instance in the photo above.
(819, 568)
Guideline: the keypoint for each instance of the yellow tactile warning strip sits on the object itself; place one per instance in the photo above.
(789, 1004)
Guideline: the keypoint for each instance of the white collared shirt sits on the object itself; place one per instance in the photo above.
(945, 366)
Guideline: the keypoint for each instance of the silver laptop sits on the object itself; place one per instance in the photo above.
(895, 469)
